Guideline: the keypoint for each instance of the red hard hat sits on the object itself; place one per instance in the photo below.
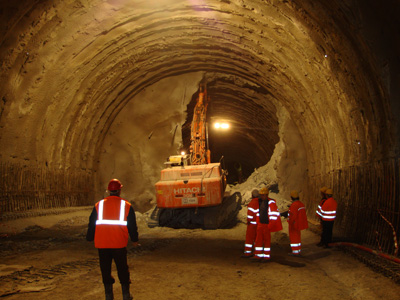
(114, 185)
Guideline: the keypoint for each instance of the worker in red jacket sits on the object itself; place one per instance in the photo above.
(328, 215)
(111, 223)
(268, 220)
(297, 219)
(251, 231)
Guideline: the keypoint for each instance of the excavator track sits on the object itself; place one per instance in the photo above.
(221, 216)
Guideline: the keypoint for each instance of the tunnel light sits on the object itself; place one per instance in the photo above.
(219, 125)
(326, 55)
(183, 153)
(224, 125)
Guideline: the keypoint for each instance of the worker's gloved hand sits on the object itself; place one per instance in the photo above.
(284, 214)
(136, 244)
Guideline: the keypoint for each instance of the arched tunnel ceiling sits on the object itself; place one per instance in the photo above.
(69, 68)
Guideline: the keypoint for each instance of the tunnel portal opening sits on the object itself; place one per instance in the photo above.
(253, 133)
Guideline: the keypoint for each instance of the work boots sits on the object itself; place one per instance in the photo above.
(126, 295)
(109, 291)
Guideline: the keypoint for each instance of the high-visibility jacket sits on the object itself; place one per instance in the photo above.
(318, 211)
(252, 212)
(111, 225)
(297, 217)
(328, 210)
(275, 223)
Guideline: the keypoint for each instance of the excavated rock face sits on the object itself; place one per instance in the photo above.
(104, 87)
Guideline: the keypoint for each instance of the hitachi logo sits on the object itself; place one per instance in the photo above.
(192, 190)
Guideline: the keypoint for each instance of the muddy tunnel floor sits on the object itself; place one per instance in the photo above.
(50, 259)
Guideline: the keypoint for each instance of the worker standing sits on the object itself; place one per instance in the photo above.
(297, 219)
(328, 215)
(251, 231)
(268, 220)
(111, 223)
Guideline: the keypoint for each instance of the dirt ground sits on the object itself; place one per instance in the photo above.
(48, 258)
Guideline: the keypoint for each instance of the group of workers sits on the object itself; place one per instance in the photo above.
(113, 221)
(263, 217)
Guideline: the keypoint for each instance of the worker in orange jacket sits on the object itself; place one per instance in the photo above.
(268, 220)
(111, 223)
(328, 215)
(297, 219)
(251, 231)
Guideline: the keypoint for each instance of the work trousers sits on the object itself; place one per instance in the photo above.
(326, 236)
(251, 233)
(262, 244)
(120, 258)
(295, 240)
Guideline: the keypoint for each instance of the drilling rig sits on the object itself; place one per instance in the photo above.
(191, 192)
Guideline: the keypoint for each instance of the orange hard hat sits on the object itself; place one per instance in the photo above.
(323, 189)
(114, 185)
(264, 191)
(294, 194)
(329, 192)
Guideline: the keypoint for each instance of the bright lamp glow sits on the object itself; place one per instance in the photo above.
(218, 125)
(183, 153)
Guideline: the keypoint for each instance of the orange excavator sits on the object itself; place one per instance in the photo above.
(191, 192)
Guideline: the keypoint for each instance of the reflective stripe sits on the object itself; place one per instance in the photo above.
(296, 251)
(248, 245)
(295, 245)
(110, 222)
(259, 248)
(250, 217)
(328, 212)
(253, 209)
(254, 223)
(247, 252)
(121, 220)
(301, 208)
(122, 211)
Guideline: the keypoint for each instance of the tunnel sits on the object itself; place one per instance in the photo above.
(99, 89)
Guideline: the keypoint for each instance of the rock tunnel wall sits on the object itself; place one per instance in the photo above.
(26, 188)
